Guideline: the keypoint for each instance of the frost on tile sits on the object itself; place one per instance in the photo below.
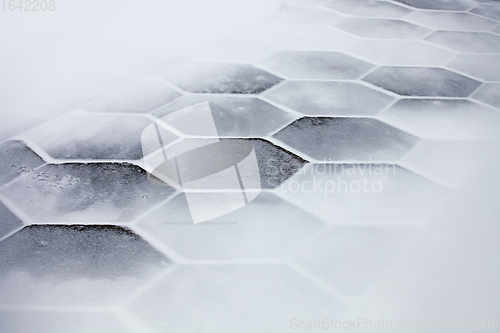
(489, 11)
(383, 28)
(451, 21)
(240, 50)
(330, 98)
(364, 194)
(74, 265)
(207, 77)
(400, 53)
(438, 4)
(489, 93)
(15, 159)
(341, 139)
(91, 136)
(363, 252)
(317, 65)
(368, 8)
(478, 42)
(266, 228)
(85, 193)
(314, 16)
(143, 96)
(232, 298)
(236, 116)
(444, 119)
(413, 81)
(483, 66)
(8, 221)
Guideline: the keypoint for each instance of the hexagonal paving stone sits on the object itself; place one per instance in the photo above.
(306, 38)
(317, 65)
(82, 135)
(85, 193)
(368, 8)
(451, 21)
(400, 53)
(314, 16)
(341, 139)
(489, 93)
(8, 221)
(74, 265)
(236, 116)
(266, 228)
(360, 251)
(412, 81)
(479, 42)
(483, 66)
(207, 77)
(382, 28)
(227, 294)
(438, 4)
(444, 119)
(143, 96)
(16, 158)
(489, 11)
(330, 98)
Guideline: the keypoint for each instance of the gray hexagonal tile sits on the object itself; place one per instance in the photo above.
(75, 265)
(368, 8)
(438, 4)
(236, 116)
(489, 93)
(483, 66)
(489, 11)
(346, 139)
(314, 16)
(330, 98)
(413, 81)
(15, 159)
(81, 135)
(451, 21)
(206, 77)
(317, 65)
(383, 28)
(8, 221)
(479, 42)
(85, 193)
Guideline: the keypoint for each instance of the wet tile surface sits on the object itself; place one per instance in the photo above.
(16, 158)
(383, 28)
(477, 42)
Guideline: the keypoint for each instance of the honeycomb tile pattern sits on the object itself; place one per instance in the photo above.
(372, 122)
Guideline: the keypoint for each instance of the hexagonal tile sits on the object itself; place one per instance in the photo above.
(479, 42)
(400, 53)
(489, 93)
(314, 16)
(451, 21)
(483, 66)
(236, 116)
(489, 11)
(227, 294)
(306, 38)
(143, 96)
(82, 135)
(383, 28)
(444, 119)
(330, 98)
(413, 81)
(344, 139)
(16, 158)
(85, 193)
(207, 77)
(368, 8)
(266, 228)
(8, 221)
(74, 265)
(438, 4)
(317, 65)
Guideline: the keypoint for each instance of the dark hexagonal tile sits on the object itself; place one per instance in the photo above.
(489, 11)
(236, 116)
(489, 93)
(205, 77)
(383, 28)
(438, 4)
(412, 81)
(16, 158)
(317, 65)
(342, 139)
(368, 8)
(330, 98)
(478, 42)
(8, 221)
